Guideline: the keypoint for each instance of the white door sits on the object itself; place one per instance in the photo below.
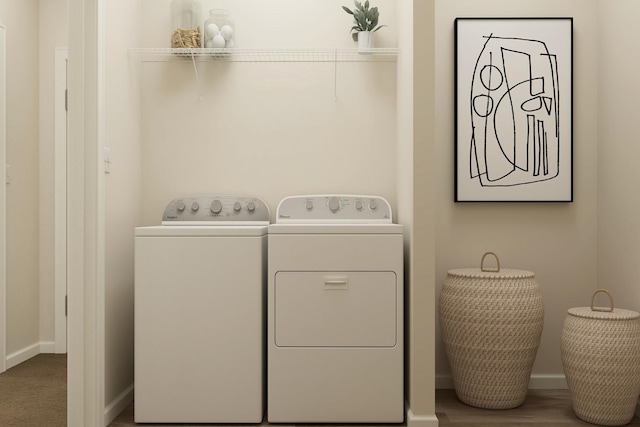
(60, 208)
(3, 134)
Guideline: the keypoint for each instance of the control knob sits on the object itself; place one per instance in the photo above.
(216, 206)
(251, 206)
(195, 206)
(237, 206)
(359, 205)
(308, 204)
(373, 204)
(334, 204)
(180, 206)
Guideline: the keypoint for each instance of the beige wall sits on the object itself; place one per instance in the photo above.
(122, 137)
(269, 129)
(415, 194)
(559, 242)
(30, 86)
(22, 154)
(30, 83)
(618, 176)
(53, 34)
(3, 133)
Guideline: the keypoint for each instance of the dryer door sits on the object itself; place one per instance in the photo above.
(336, 309)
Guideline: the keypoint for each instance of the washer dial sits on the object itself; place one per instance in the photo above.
(216, 206)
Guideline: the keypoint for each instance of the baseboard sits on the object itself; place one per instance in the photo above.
(548, 382)
(420, 420)
(537, 382)
(117, 405)
(47, 347)
(22, 355)
(27, 353)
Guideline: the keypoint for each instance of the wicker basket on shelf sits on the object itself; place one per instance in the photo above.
(491, 322)
(600, 351)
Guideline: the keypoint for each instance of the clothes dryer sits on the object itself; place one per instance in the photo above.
(200, 289)
(335, 311)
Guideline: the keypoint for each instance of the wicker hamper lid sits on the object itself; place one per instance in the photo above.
(490, 273)
(603, 313)
(506, 273)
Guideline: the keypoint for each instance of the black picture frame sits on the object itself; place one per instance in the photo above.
(514, 109)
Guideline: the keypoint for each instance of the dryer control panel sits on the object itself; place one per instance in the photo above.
(334, 209)
(216, 210)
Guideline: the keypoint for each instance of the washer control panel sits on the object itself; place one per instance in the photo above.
(335, 209)
(216, 210)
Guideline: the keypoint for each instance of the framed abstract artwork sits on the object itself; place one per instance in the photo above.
(514, 109)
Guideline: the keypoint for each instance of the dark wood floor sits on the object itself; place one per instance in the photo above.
(548, 408)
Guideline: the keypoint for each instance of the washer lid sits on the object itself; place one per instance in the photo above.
(201, 231)
(330, 228)
(216, 210)
(334, 209)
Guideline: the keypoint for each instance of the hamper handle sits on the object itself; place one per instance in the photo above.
(593, 299)
(492, 270)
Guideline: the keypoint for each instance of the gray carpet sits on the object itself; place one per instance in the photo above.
(34, 393)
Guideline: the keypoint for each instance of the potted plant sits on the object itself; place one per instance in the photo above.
(365, 21)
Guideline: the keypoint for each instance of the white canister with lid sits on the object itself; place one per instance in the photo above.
(219, 30)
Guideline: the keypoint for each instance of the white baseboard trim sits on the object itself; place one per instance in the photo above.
(22, 355)
(420, 420)
(27, 353)
(47, 347)
(537, 382)
(548, 382)
(117, 405)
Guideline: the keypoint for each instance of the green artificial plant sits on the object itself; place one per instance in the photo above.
(364, 18)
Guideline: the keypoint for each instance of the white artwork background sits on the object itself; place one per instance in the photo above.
(514, 110)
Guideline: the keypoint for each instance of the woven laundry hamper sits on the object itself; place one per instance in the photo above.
(491, 322)
(600, 351)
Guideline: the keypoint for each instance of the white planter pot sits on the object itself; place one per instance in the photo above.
(365, 41)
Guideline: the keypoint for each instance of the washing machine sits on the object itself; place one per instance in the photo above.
(200, 305)
(335, 311)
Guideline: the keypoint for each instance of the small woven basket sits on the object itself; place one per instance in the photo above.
(600, 351)
(491, 322)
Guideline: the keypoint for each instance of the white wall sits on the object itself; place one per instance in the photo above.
(253, 133)
(556, 241)
(3, 133)
(30, 87)
(415, 195)
(22, 155)
(123, 191)
(619, 199)
(188, 147)
(269, 129)
(52, 17)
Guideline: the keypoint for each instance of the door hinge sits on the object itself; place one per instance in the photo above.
(66, 305)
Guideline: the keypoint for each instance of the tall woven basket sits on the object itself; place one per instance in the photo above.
(601, 359)
(491, 322)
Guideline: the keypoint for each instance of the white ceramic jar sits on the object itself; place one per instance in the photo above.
(219, 30)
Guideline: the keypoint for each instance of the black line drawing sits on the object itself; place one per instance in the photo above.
(514, 107)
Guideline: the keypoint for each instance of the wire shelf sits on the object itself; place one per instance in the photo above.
(265, 55)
